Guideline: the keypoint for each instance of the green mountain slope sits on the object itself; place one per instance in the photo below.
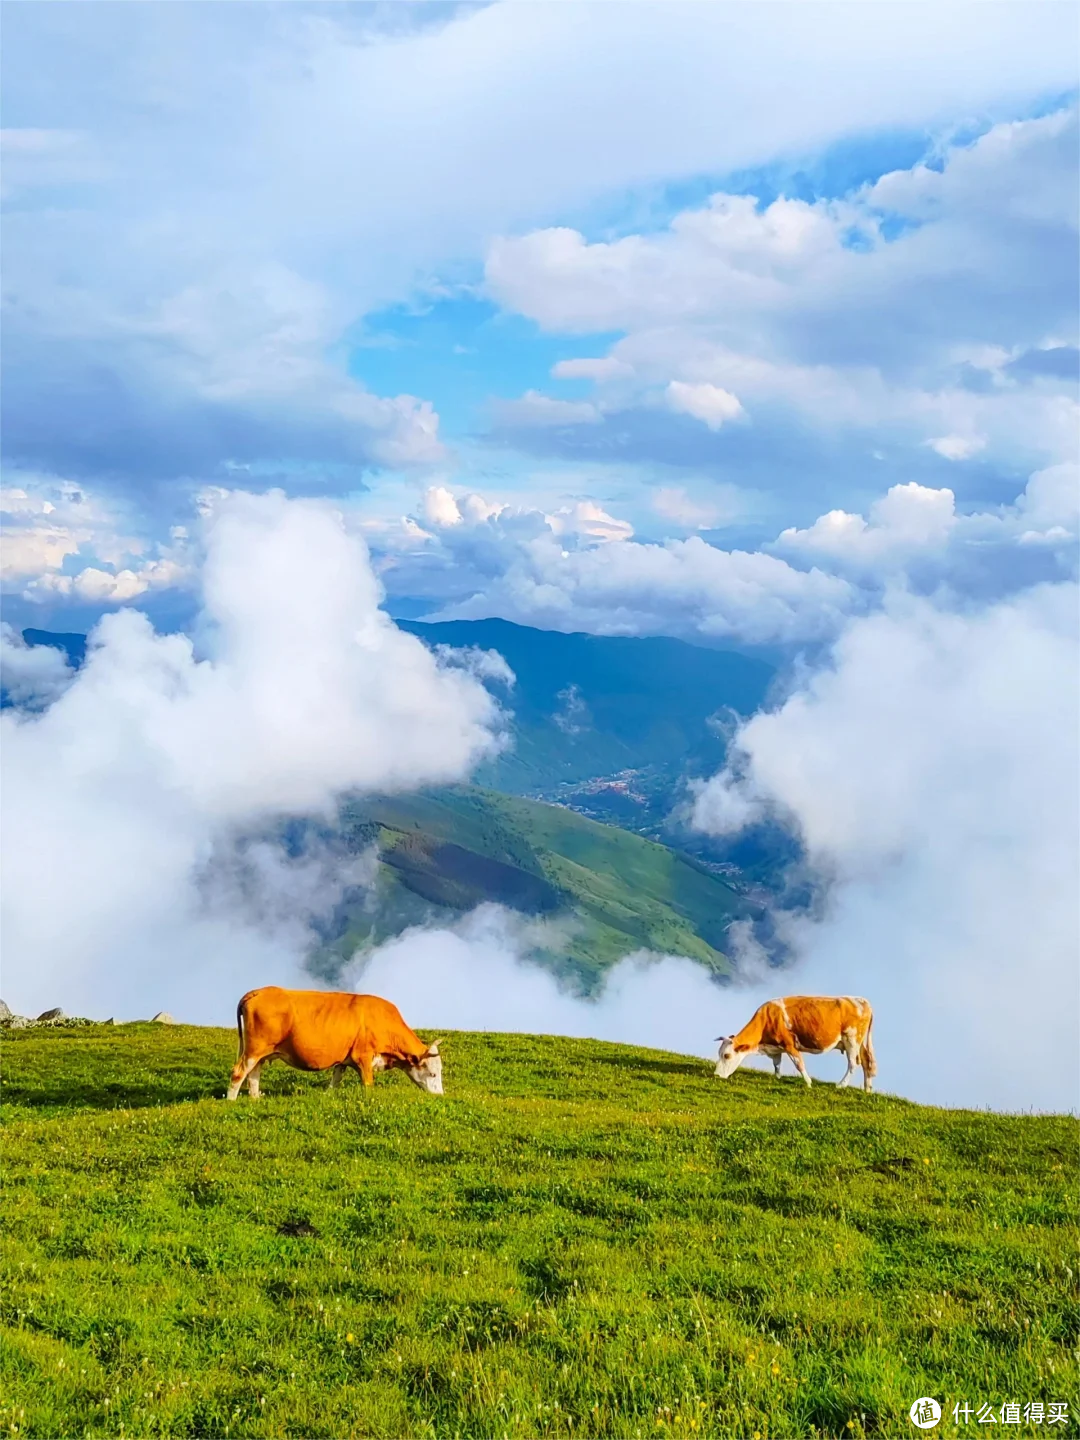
(578, 1239)
(451, 849)
(588, 705)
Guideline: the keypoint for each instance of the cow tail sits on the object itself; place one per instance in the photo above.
(867, 1058)
(240, 1030)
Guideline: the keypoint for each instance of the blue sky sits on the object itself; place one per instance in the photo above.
(461, 352)
(628, 275)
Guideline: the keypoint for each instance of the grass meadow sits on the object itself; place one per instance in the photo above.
(579, 1239)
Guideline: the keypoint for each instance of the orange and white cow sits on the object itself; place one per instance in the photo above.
(810, 1024)
(328, 1030)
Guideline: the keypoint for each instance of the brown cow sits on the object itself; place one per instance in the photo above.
(328, 1030)
(808, 1023)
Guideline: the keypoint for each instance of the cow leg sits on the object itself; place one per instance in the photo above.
(241, 1070)
(797, 1061)
(336, 1075)
(850, 1048)
(777, 1061)
(367, 1070)
(253, 1080)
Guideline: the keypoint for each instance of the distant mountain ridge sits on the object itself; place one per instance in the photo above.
(73, 646)
(587, 706)
(592, 705)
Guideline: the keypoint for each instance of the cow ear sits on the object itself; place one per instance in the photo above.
(433, 1048)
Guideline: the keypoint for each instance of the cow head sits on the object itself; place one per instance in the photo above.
(426, 1070)
(729, 1059)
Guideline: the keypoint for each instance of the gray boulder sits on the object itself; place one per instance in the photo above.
(53, 1016)
(164, 1018)
(5, 1013)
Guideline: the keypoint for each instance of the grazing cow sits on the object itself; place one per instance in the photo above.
(326, 1030)
(808, 1023)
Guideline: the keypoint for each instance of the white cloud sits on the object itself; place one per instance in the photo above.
(821, 313)
(440, 506)
(549, 569)
(707, 403)
(487, 666)
(534, 409)
(673, 503)
(931, 770)
(33, 550)
(957, 447)
(1052, 498)
(604, 367)
(917, 530)
(139, 777)
(683, 588)
(31, 675)
(61, 542)
(478, 975)
(587, 518)
(911, 521)
(274, 173)
(108, 587)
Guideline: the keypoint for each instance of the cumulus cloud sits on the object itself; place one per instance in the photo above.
(481, 975)
(209, 198)
(916, 532)
(153, 764)
(957, 447)
(682, 587)
(703, 511)
(588, 519)
(910, 520)
(63, 543)
(579, 568)
(31, 676)
(108, 587)
(846, 317)
(931, 771)
(707, 403)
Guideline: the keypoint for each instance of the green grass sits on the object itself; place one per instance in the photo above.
(462, 845)
(579, 1239)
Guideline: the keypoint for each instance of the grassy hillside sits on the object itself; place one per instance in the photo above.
(457, 847)
(578, 1239)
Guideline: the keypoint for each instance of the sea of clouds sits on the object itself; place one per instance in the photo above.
(928, 763)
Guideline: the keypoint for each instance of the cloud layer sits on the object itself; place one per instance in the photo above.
(849, 318)
(203, 202)
(152, 764)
